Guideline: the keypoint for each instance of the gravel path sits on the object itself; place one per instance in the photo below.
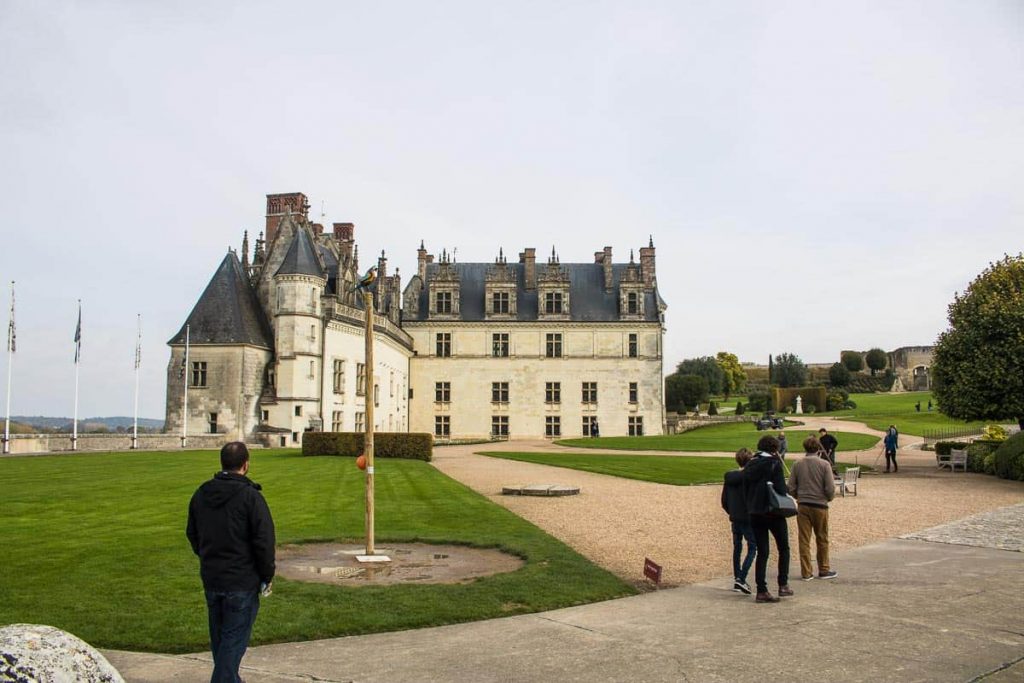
(617, 522)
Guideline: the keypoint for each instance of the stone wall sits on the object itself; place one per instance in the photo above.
(56, 443)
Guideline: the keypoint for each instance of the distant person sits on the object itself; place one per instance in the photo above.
(735, 504)
(891, 443)
(813, 486)
(763, 469)
(929, 405)
(783, 446)
(595, 431)
(829, 444)
(917, 406)
(230, 529)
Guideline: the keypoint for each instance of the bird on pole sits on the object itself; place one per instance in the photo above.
(367, 280)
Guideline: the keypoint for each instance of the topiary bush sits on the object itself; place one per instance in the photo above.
(712, 408)
(989, 464)
(740, 408)
(836, 400)
(411, 446)
(945, 447)
(1008, 459)
(757, 401)
(811, 410)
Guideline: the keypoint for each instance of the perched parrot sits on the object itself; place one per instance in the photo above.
(367, 280)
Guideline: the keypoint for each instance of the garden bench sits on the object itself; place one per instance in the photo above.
(957, 458)
(847, 481)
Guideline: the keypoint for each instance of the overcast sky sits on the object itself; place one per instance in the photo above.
(815, 175)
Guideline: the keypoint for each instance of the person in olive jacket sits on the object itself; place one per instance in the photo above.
(766, 468)
(232, 532)
(735, 504)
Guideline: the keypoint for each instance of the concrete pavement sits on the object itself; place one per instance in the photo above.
(901, 610)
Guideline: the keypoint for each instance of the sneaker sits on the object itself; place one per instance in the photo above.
(766, 597)
(807, 578)
(785, 591)
(827, 575)
(742, 587)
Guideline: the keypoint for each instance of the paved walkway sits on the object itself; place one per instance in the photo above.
(901, 610)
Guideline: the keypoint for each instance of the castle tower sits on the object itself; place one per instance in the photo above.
(279, 205)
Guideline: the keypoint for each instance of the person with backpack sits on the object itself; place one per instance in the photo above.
(764, 469)
(735, 505)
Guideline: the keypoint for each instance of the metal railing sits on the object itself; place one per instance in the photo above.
(932, 436)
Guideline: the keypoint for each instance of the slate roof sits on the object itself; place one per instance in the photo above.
(301, 257)
(588, 301)
(227, 312)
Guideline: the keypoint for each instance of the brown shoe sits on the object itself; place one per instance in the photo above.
(766, 597)
(785, 591)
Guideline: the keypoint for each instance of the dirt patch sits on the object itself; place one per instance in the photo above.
(336, 563)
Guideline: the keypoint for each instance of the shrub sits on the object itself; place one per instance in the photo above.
(411, 446)
(811, 410)
(944, 447)
(995, 433)
(712, 408)
(976, 454)
(838, 375)
(1008, 459)
(836, 400)
(740, 408)
(757, 402)
(787, 410)
(989, 464)
(850, 405)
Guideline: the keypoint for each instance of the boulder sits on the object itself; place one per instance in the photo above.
(30, 653)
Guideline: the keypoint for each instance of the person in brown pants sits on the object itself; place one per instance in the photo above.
(811, 483)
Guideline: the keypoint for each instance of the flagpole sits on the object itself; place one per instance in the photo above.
(10, 370)
(138, 360)
(184, 412)
(78, 349)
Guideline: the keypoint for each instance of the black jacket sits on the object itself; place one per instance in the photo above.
(762, 468)
(733, 501)
(230, 529)
(829, 443)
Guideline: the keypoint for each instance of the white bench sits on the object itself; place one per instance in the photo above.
(848, 481)
(957, 458)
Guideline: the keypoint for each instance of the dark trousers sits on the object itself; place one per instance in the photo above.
(890, 457)
(762, 526)
(232, 614)
(741, 532)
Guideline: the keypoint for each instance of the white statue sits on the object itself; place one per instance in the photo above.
(799, 405)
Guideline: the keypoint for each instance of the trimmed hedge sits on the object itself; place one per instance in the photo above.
(411, 446)
(945, 447)
(1009, 458)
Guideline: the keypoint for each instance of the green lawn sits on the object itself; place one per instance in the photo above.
(95, 545)
(678, 470)
(878, 411)
(727, 436)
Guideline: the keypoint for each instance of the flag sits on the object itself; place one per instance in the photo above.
(78, 334)
(11, 333)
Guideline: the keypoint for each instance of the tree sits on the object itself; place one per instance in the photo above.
(673, 393)
(706, 367)
(693, 390)
(734, 378)
(978, 364)
(788, 370)
(876, 359)
(852, 360)
(839, 375)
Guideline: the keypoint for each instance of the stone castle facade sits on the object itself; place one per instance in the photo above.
(468, 350)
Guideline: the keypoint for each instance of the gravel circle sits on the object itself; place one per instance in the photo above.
(617, 522)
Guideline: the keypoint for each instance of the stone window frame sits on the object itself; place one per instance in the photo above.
(635, 425)
(588, 424)
(588, 393)
(500, 302)
(213, 423)
(443, 302)
(552, 393)
(553, 302)
(443, 345)
(501, 345)
(443, 426)
(633, 345)
(442, 392)
(337, 420)
(360, 422)
(553, 345)
(339, 376)
(360, 379)
(499, 425)
(634, 392)
(552, 426)
(499, 392)
(199, 373)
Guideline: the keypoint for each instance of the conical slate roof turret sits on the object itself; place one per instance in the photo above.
(301, 258)
(227, 312)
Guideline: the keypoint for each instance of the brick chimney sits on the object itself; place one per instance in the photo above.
(280, 204)
(606, 261)
(344, 231)
(422, 259)
(318, 229)
(647, 265)
(528, 257)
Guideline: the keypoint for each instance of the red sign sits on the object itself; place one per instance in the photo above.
(652, 570)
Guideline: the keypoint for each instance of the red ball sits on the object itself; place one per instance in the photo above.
(361, 462)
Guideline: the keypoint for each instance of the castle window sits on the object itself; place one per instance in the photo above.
(213, 423)
(312, 369)
(360, 379)
(633, 346)
(499, 392)
(590, 392)
(444, 302)
(339, 376)
(499, 425)
(552, 392)
(552, 426)
(265, 416)
(312, 299)
(312, 333)
(553, 302)
(499, 345)
(634, 392)
(632, 303)
(553, 346)
(360, 422)
(590, 427)
(336, 420)
(499, 302)
(376, 395)
(444, 344)
(298, 411)
(280, 298)
(442, 426)
(442, 392)
(636, 425)
(199, 373)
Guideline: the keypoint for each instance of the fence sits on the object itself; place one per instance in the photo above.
(931, 436)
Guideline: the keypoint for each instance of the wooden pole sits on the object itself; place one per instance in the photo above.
(368, 387)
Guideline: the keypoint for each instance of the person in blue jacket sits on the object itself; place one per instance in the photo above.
(891, 444)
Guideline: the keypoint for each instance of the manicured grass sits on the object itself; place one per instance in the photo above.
(677, 470)
(728, 436)
(95, 544)
(878, 411)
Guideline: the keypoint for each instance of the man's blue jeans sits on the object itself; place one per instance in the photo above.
(742, 531)
(232, 614)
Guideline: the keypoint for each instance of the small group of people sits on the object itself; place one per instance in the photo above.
(745, 497)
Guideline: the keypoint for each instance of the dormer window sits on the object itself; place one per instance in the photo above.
(444, 303)
(553, 303)
(499, 303)
(632, 303)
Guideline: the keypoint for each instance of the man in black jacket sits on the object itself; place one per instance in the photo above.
(829, 444)
(230, 529)
(764, 469)
(735, 504)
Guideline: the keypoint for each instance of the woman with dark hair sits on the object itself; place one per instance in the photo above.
(891, 443)
(763, 469)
